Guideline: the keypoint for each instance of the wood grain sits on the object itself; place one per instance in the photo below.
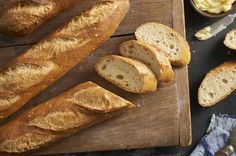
(161, 119)
(182, 79)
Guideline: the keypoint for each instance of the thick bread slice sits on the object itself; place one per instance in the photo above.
(21, 17)
(218, 84)
(128, 74)
(153, 57)
(230, 40)
(80, 107)
(165, 38)
(48, 60)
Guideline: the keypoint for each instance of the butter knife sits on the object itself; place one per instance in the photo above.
(231, 148)
(212, 30)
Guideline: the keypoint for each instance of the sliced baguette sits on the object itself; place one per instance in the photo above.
(165, 38)
(230, 40)
(218, 84)
(128, 74)
(153, 57)
(81, 107)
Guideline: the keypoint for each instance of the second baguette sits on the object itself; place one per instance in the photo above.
(80, 107)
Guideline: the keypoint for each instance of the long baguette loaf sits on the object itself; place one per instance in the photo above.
(82, 106)
(21, 17)
(51, 58)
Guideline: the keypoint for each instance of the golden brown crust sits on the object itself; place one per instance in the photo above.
(60, 51)
(21, 17)
(61, 117)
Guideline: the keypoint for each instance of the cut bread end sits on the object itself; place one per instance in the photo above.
(128, 74)
(230, 40)
(166, 39)
(218, 84)
(151, 56)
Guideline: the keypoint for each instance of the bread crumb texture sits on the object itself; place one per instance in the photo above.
(24, 75)
(153, 57)
(165, 38)
(60, 121)
(99, 100)
(218, 84)
(128, 74)
(25, 143)
(230, 40)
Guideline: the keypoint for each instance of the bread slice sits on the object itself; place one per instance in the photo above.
(128, 74)
(167, 39)
(218, 84)
(230, 40)
(153, 57)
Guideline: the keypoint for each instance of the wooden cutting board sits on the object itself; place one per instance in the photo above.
(160, 119)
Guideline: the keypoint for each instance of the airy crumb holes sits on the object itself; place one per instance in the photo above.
(120, 77)
(225, 81)
(131, 46)
(211, 95)
(104, 67)
(172, 46)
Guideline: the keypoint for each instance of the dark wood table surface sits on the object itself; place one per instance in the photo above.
(205, 56)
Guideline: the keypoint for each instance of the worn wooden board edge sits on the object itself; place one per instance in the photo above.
(183, 80)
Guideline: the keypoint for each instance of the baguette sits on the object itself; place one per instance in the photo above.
(50, 59)
(230, 40)
(128, 74)
(218, 84)
(153, 57)
(21, 17)
(80, 107)
(166, 39)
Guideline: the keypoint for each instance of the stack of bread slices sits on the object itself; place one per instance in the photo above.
(147, 60)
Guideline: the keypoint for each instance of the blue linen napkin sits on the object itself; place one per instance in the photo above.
(217, 136)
